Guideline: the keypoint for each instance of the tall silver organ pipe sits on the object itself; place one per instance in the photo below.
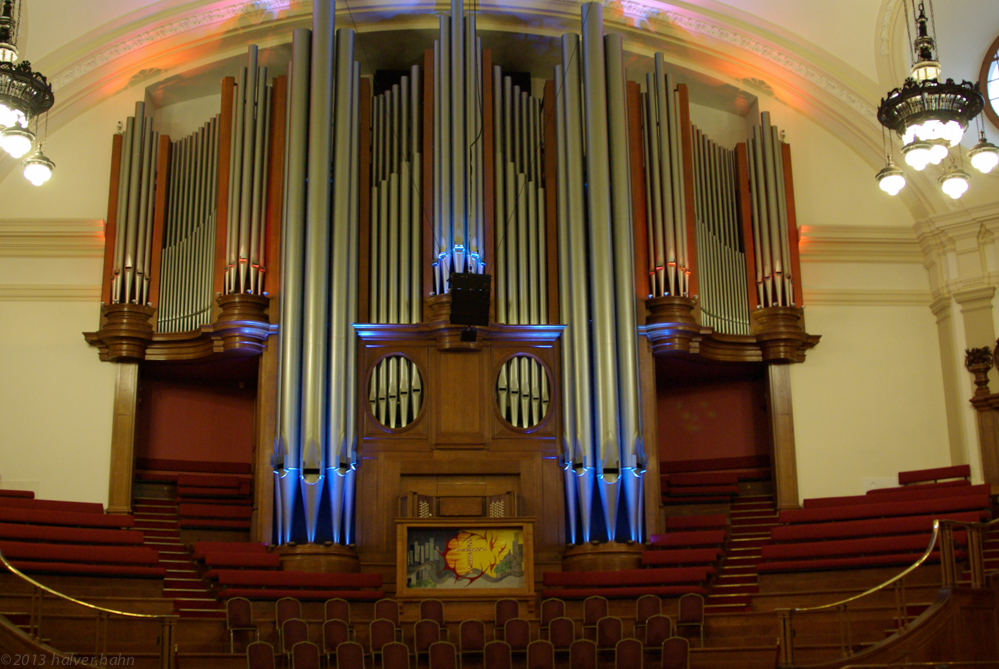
(595, 214)
(188, 252)
(315, 450)
(669, 271)
(136, 189)
(458, 177)
(395, 393)
(775, 284)
(287, 457)
(721, 250)
(245, 231)
(522, 391)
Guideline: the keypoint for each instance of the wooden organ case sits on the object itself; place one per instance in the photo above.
(212, 252)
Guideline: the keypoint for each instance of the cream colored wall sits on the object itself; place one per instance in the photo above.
(55, 395)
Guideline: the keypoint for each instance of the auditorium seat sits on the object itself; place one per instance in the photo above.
(58, 558)
(626, 582)
(258, 584)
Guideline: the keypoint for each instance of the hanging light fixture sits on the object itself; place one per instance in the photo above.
(984, 155)
(891, 179)
(24, 94)
(38, 168)
(929, 115)
(954, 181)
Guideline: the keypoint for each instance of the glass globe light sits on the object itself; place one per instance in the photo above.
(38, 168)
(938, 151)
(984, 155)
(926, 70)
(11, 117)
(954, 182)
(16, 141)
(891, 179)
(917, 155)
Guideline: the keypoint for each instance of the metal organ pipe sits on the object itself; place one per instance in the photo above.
(458, 190)
(188, 250)
(770, 226)
(396, 388)
(288, 447)
(137, 186)
(630, 439)
(721, 258)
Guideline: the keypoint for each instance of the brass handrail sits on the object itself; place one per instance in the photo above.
(25, 577)
(911, 568)
(942, 532)
(166, 620)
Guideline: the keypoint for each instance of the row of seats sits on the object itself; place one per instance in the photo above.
(72, 538)
(886, 527)
(583, 654)
(709, 481)
(210, 495)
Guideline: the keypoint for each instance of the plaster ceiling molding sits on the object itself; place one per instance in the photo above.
(52, 239)
(959, 248)
(859, 297)
(49, 293)
(858, 244)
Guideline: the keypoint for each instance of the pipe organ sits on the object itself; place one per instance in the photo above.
(459, 217)
(245, 239)
(189, 232)
(317, 225)
(131, 269)
(724, 305)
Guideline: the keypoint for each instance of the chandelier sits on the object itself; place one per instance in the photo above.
(24, 96)
(931, 116)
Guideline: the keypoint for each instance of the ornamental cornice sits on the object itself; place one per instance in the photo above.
(52, 238)
(859, 244)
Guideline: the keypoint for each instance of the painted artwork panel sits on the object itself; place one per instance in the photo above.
(467, 559)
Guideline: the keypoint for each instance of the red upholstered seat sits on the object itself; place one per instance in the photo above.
(232, 559)
(133, 555)
(886, 509)
(201, 480)
(50, 505)
(704, 556)
(627, 577)
(86, 569)
(868, 527)
(717, 520)
(69, 535)
(921, 475)
(24, 494)
(829, 564)
(302, 593)
(540, 655)
(300, 579)
(868, 546)
(201, 548)
(66, 518)
(903, 495)
(688, 539)
(956, 483)
(636, 591)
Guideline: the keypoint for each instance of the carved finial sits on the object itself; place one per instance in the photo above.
(978, 361)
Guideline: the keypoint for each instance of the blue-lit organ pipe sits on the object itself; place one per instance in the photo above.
(775, 284)
(188, 252)
(395, 390)
(315, 450)
(458, 209)
(287, 460)
(573, 293)
(567, 447)
(721, 255)
(522, 389)
(137, 186)
(595, 214)
(669, 273)
(246, 229)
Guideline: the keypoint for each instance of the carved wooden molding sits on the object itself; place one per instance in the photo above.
(778, 334)
(126, 333)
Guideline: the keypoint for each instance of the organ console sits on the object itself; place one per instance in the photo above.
(316, 222)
